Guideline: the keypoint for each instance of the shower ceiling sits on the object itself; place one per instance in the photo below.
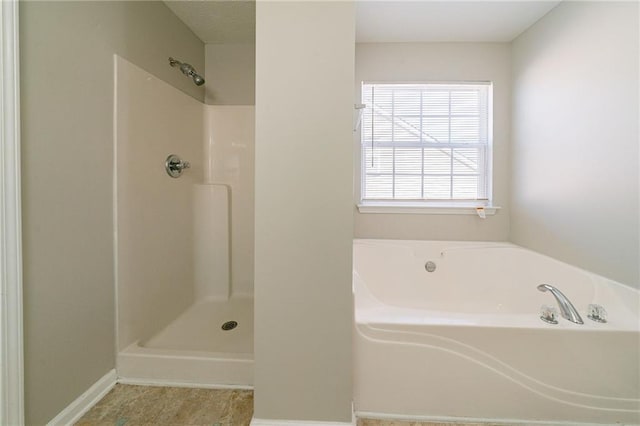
(215, 21)
(233, 21)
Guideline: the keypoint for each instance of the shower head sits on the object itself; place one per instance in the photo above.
(187, 70)
(197, 79)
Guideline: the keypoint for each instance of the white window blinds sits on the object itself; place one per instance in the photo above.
(425, 142)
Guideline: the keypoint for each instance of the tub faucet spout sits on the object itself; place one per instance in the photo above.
(567, 310)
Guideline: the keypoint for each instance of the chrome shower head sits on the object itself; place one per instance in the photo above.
(187, 70)
(197, 79)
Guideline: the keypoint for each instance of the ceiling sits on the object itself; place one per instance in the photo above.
(446, 21)
(233, 21)
(218, 21)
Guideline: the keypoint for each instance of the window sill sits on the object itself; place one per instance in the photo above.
(426, 208)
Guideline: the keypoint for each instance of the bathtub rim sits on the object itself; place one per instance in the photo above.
(493, 244)
(378, 308)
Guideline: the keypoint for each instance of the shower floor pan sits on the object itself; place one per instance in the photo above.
(195, 350)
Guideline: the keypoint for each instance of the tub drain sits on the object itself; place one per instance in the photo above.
(229, 325)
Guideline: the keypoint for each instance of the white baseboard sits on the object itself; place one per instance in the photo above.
(177, 384)
(74, 411)
(84, 402)
(269, 422)
(474, 420)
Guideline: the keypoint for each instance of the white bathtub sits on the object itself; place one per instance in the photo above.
(466, 341)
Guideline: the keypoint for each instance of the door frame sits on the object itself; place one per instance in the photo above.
(11, 327)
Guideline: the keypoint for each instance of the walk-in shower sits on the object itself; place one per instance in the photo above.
(184, 300)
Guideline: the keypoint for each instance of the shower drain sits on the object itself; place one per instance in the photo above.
(229, 325)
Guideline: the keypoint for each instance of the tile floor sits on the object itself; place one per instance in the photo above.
(149, 405)
(130, 405)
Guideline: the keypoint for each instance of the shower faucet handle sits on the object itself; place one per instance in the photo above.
(175, 166)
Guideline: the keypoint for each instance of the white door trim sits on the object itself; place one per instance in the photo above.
(11, 349)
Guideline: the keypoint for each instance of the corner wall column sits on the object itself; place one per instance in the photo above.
(304, 210)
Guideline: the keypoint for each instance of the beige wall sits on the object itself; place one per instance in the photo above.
(154, 218)
(441, 62)
(67, 170)
(230, 74)
(304, 160)
(575, 139)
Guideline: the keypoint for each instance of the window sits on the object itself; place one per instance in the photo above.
(426, 144)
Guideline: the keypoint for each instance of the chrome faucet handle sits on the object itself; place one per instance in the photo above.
(175, 166)
(549, 314)
(183, 165)
(596, 313)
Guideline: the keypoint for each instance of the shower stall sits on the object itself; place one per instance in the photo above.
(184, 234)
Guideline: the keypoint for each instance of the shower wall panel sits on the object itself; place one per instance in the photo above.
(154, 220)
(211, 242)
(229, 149)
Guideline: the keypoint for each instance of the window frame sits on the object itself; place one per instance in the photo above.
(430, 206)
